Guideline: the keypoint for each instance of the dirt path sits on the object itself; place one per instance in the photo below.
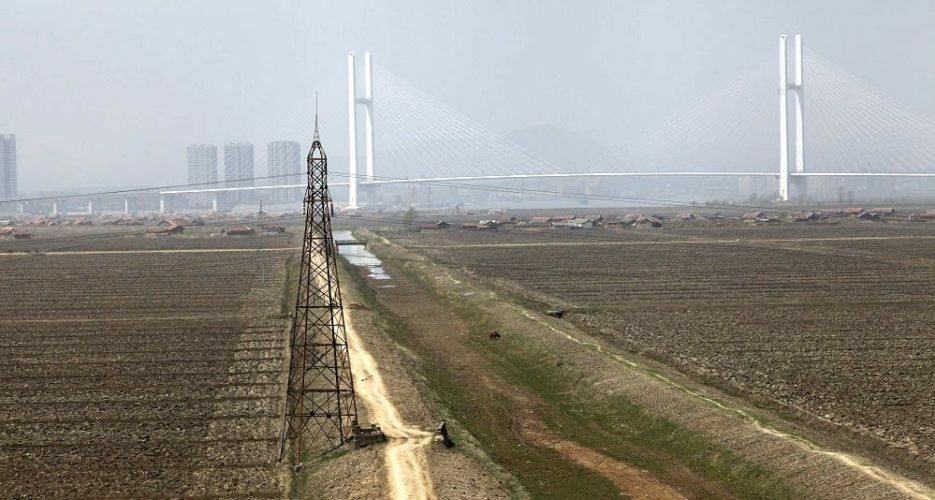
(636, 483)
(405, 455)
(405, 459)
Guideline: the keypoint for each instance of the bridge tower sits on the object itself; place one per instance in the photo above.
(367, 102)
(321, 408)
(797, 88)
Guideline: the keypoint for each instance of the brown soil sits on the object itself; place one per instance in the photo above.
(115, 382)
(632, 481)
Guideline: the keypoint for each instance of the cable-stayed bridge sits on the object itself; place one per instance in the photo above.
(808, 117)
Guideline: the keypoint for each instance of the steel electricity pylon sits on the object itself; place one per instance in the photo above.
(320, 405)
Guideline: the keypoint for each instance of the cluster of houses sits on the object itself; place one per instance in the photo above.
(174, 225)
(927, 215)
(855, 212)
(656, 220)
(556, 221)
(177, 225)
(156, 226)
(7, 230)
(16, 233)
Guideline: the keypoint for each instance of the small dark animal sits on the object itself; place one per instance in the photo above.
(441, 434)
(494, 335)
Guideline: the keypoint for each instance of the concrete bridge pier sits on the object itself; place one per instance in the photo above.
(799, 187)
(797, 87)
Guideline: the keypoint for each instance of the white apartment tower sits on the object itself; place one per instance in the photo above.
(202, 164)
(238, 164)
(8, 185)
(285, 158)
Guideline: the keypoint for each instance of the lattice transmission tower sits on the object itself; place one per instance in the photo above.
(320, 405)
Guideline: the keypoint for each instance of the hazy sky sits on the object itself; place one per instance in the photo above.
(111, 92)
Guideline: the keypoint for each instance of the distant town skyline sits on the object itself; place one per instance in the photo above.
(112, 92)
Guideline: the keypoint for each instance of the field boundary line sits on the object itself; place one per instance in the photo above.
(694, 241)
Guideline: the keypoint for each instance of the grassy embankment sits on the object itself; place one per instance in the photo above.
(614, 425)
(480, 418)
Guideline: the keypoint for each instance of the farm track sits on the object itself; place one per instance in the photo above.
(142, 374)
(832, 322)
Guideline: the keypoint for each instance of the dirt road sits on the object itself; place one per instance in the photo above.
(405, 458)
(405, 455)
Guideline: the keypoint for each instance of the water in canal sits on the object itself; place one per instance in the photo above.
(360, 256)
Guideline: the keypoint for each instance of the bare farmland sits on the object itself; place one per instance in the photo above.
(141, 374)
(834, 322)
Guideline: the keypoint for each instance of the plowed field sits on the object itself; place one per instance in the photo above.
(141, 374)
(835, 322)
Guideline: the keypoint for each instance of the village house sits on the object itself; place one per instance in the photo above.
(238, 231)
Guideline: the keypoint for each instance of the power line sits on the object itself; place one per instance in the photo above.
(145, 189)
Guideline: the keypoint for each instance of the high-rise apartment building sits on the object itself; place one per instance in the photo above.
(202, 163)
(8, 187)
(238, 164)
(284, 158)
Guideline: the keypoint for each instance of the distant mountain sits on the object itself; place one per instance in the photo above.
(567, 150)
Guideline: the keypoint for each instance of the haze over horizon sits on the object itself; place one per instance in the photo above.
(110, 93)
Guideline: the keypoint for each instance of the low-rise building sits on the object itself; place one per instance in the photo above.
(580, 224)
(803, 216)
(238, 231)
(168, 228)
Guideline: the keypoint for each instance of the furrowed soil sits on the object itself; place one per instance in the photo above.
(147, 374)
(823, 328)
(154, 367)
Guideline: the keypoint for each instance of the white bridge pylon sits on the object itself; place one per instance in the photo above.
(352, 102)
(797, 88)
